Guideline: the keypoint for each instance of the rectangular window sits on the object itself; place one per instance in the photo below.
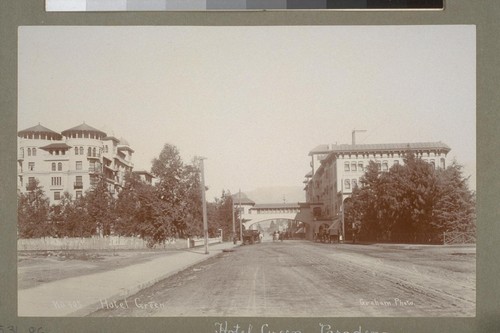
(57, 195)
(385, 166)
(353, 166)
(354, 183)
(396, 162)
(56, 181)
(78, 194)
(31, 166)
(78, 165)
(347, 184)
(360, 166)
(346, 166)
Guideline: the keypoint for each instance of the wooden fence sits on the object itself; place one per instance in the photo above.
(457, 237)
(105, 243)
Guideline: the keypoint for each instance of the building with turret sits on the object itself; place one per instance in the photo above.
(71, 161)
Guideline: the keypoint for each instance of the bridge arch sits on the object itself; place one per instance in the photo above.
(303, 216)
(291, 228)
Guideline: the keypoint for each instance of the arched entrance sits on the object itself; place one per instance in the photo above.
(288, 228)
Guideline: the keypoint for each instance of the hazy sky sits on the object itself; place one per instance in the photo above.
(253, 100)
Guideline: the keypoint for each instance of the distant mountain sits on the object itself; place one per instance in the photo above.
(275, 194)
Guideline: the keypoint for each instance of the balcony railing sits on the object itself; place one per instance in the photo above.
(78, 185)
(94, 169)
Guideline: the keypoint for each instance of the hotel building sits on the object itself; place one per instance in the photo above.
(336, 169)
(71, 161)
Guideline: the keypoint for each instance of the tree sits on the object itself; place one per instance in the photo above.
(71, 218)
(455, 209)
(192, 208)
(222, 216)
(411, 202)
(99, 207)
(169, 169)
(33, 213)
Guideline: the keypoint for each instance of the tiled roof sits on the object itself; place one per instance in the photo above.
(56, 146)
(243, 199)
(39, 129)
(83, 128)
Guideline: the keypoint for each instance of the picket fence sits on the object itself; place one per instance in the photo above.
(103, 243)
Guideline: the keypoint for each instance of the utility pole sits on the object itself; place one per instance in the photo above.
(354, 135)
(204, 203)
(232, 211)
(239, 215)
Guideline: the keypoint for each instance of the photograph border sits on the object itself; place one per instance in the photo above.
(483, 14)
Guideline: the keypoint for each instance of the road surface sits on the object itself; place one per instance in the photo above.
(305, 279)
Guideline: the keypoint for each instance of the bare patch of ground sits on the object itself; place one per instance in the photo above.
(37, 267)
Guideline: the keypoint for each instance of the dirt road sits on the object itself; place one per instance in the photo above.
(300, 278)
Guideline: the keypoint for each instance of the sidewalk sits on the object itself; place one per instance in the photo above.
(79, 296)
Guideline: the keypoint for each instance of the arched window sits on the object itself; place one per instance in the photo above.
(29, 151)
(59, 166)
(76, 150)
(93, 152)
(34, 151)
(89, 152)
(81, 150)
(53, 167)
(443, 164)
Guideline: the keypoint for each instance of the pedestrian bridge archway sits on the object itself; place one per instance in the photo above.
(298, 219)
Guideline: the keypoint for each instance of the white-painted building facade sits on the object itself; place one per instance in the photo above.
(70, 161)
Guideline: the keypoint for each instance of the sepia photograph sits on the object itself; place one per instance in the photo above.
(246, 171)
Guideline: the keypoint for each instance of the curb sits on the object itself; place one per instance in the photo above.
(94, 307)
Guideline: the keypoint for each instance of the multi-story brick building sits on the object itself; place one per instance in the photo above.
(71, 161)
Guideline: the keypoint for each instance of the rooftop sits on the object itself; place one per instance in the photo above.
(237, 198)
(325, 149)
(39, 129)
(277, 206)
(83, 128)
(56, 146)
